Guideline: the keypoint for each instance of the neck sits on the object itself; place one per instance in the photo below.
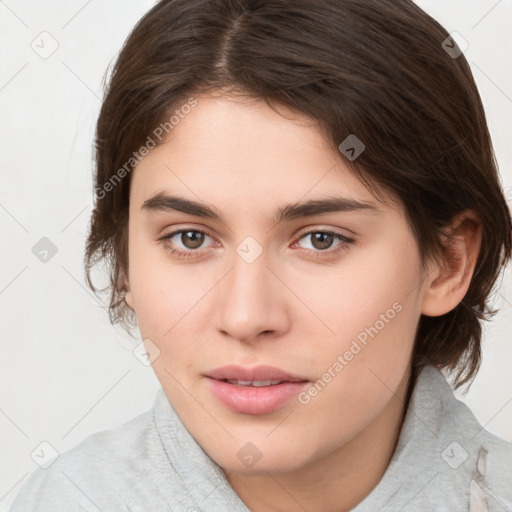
(336, 482)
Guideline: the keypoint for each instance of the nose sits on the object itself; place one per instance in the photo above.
(252, 303)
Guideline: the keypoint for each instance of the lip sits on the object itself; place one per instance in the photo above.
(234, 371)
(254, 400)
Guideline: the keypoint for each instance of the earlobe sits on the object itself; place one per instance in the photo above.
(449, 279)
(128, 297)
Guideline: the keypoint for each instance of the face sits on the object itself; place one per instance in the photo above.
(282, 331)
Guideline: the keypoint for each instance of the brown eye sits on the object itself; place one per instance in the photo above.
(192, 239)
(322, 241)
(185, 242)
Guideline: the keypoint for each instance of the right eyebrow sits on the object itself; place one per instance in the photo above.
(164, 203)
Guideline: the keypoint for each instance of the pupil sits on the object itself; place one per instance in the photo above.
(194, 240)
(322, 240)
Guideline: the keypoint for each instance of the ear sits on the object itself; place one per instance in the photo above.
(128, 297)
(449, 278)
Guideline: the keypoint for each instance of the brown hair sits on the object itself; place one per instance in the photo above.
(379, 70)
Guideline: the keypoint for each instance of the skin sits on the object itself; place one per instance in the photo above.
(287, 308)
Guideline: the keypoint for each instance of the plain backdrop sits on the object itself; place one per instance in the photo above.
(66, 372)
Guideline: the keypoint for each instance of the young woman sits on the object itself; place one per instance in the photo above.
(302, 216)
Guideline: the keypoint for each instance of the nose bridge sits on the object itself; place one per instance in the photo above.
(247, 304)
(248, 278)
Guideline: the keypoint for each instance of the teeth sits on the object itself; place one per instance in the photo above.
(254, 383)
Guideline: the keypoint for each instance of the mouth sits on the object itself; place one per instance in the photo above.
(258, 390)
(254, 383)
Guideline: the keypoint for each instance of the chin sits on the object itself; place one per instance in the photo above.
(250, 460)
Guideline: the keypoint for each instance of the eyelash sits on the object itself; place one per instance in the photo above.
(316, 253)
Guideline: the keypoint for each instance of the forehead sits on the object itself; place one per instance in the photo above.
(243, 154)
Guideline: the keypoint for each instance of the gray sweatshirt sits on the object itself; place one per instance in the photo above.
(445, 461)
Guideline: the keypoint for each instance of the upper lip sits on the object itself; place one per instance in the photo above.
(256, 373)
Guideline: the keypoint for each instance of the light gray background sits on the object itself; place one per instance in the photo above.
(66, 372)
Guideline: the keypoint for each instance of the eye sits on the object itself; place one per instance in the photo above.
(188, 243)
(321, 241)
(191, 241)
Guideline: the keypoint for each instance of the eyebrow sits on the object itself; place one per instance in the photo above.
(163, 203)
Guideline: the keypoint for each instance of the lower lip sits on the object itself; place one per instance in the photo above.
(255, 400)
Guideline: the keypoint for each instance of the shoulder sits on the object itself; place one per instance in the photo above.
(473, 463)
(457, 421)
(97, 471)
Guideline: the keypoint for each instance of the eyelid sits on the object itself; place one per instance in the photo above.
(314, 229)
(177, 230)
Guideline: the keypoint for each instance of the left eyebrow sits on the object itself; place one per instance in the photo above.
(162, 203)
(318, 206)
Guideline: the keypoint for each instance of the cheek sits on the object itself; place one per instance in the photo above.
(164, 300)
(371, 309)
(167, 296)
(370, 290)
(360, 368)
